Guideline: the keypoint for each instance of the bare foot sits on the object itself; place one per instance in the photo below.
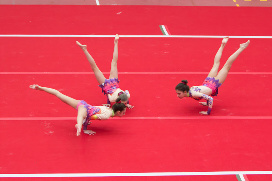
(89, 132)
(35, 86)
(203, 112)
(116, 38)
(225, 40)
(83, 47)
(244, 45)
(78, 128)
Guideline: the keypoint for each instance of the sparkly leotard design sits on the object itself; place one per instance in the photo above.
(109, 86)
(91, 110)
(213, 84)
(209, 99)
(196, 89)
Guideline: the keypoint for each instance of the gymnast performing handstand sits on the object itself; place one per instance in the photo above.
(110, 86)
(85, 112)
(215, 79)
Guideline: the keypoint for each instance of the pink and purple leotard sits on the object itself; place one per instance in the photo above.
(109, 86)
(91, 110)
(213, 84)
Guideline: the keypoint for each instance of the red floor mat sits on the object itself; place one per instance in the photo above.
(171, 178)
(135, 55)
(235, 137)
(135, 146)
(135, 20)
(159, 101)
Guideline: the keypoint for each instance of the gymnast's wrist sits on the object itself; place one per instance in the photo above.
(209, 111)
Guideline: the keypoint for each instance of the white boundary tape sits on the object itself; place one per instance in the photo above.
(129, 73)
(136, 36)
(151, 174)
(142, 118)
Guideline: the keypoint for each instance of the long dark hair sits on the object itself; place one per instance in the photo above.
(183, 86)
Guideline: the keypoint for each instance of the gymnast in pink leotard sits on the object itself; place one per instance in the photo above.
(110, 87)
(215, 79)
(85, 112)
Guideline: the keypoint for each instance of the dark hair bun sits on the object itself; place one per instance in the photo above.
(118, 100)
(184, 82)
